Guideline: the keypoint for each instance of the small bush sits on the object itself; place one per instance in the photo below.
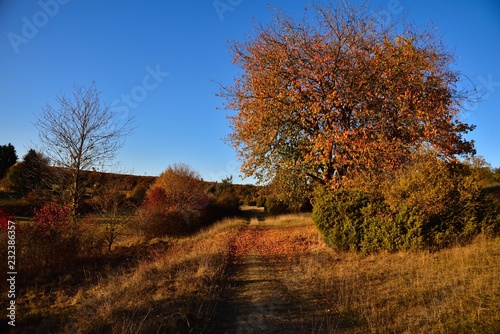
(179, 203)
(228, 203)
(275, 207)
(445, 200)
(138, 194)
(91, 237)
(339, 217)
(261, 202)
(249, 201)
(156, 219)
(175, 204)
(52, 220)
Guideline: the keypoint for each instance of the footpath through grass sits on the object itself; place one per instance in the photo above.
(285, 279)
(273, 275)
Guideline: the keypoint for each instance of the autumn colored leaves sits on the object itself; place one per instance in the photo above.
(341, 96)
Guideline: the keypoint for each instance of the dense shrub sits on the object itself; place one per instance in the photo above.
(339, 217)
(225, 199)
(446, 198)
(261, 202)
(138, 194)
(52, 220)
(92, 237)
(224, 203)
(428, 204)
(249, 201)
(175, 203)
(275, 206)
(156, 218)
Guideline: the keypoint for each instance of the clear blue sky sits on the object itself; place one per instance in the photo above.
(46, 46)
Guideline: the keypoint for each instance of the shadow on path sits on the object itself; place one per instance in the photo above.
(256, 301)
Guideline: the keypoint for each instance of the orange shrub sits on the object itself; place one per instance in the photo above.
(175, 204)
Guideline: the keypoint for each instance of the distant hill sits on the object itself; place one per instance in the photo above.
(133, 186)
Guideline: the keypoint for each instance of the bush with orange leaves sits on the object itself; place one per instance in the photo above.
(175, 203)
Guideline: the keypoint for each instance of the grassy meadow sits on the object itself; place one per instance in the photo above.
(175, 285)
(455, 290)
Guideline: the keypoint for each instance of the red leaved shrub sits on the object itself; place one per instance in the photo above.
(52, 221)
(49, 243)
(4, 220)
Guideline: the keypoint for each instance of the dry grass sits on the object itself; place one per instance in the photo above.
(452, 291)
(175, 290)
(177, 286)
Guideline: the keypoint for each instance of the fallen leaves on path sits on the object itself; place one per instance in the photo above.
(285, 242)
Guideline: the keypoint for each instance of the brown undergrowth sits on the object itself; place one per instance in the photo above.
(174, 289)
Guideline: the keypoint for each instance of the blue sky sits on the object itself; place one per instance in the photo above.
(156, 59)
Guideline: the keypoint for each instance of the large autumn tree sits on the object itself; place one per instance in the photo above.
(336, 93)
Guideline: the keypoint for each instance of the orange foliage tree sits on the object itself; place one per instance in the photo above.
(342, 94)
(175, 203)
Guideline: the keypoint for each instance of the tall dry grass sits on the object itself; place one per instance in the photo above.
(176, 290)
(456, 290)
(177, 287)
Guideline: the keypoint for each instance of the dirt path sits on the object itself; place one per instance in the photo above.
(256, 300)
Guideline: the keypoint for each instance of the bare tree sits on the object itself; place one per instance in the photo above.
(80, 134)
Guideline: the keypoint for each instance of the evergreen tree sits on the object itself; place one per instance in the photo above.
(31, 174)
(8, 158)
